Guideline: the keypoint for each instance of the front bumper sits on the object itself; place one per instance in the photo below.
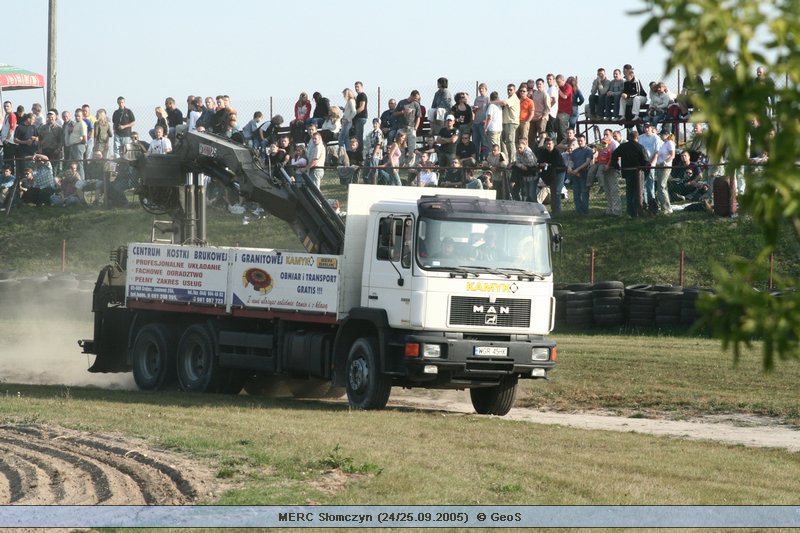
(460, 360)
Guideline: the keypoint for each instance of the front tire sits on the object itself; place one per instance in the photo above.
(367, 388)
(153, 357)
(496, 400)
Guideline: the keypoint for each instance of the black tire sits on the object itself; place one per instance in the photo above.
(198, 364)
(667, 288)
(608, 301)
(153, 357)
(367, 387)
(600, 310)
(608, 293)
(641, 300)
(668, 308)
(579, 286)
(641, 322)
(605, 285)
(641, 310)
(497, 400)
(579, 296)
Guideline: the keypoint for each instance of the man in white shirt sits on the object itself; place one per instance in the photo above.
(161, 144)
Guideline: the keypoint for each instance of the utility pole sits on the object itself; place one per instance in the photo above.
(51, 53)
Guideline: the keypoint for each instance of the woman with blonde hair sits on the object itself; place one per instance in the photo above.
(302, 112)
(161, 120)
(102, 132)
(347, 117)
(332, 126)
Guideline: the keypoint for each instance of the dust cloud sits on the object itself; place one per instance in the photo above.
(41, 320)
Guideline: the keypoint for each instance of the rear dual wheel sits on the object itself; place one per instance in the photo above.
(198, 364)
(153, 357)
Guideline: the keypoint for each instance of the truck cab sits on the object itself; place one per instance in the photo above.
(462, 288)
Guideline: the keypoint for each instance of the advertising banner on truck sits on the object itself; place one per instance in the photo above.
(174, 273)
(285, 281)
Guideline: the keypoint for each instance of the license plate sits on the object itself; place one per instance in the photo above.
(498, 351)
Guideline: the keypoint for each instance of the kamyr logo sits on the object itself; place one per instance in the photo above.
(478, 286)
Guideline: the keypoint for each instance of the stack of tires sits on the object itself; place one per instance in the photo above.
(579, 312)
(560, 293)
(668, 307)
(689, 312)
(640, 305)
(608, 299)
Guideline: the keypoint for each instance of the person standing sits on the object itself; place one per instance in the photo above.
(564, 106)
(651, 144)
(525, 112)
(77, 134)
(664, 158)
(479, 108)
(441, 105)
(348, 115)
(541, 112)
(123, 120)
(510, 123)
(51, 140)
(102, 133)
(629, 158)
(360, 120)
(25, 138)
(580, 160)
(408, 114)
(7, 135)
(607, 177)
(314, 171)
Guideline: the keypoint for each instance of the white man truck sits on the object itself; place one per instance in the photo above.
(420, 288)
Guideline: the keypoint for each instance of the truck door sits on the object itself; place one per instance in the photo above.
(390, 272)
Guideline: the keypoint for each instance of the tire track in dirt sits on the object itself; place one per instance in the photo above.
(42, 465)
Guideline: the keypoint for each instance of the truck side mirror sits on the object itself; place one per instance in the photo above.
(555, 237)
(385, 238)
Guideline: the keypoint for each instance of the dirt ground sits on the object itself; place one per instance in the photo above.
(745, 430)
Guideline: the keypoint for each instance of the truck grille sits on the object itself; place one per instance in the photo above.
(503, 313)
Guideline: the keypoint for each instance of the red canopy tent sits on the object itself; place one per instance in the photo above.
(14, 78)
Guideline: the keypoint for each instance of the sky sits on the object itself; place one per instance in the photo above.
(253, 49)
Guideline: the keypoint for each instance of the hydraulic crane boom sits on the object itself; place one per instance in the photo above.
(304, 208)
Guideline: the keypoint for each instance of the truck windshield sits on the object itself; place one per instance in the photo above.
(498, 247)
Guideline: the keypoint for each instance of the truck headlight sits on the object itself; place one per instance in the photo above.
(540, 354)
(431, 350)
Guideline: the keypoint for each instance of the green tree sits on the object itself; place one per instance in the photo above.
(729, 40)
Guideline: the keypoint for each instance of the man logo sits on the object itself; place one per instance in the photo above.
(492, 310)
(490, 320)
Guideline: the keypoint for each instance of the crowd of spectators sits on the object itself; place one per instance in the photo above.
(524, 144)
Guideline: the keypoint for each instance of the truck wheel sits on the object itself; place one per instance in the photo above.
(153, 357)
(367, 388)
(496, 400)
(198, 366)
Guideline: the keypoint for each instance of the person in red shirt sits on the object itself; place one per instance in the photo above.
(564, 106)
